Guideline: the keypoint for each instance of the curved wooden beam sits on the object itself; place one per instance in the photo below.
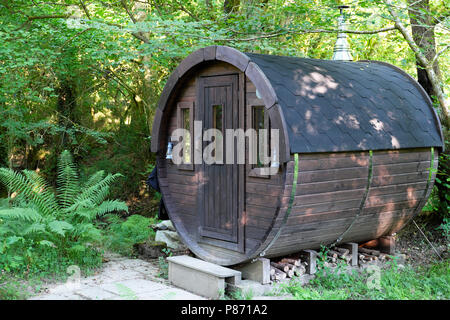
(237, 59)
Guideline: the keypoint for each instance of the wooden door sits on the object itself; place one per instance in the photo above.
(221, 193)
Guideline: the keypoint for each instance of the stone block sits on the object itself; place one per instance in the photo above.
(201, 277)
(353, 247)
(256, 270)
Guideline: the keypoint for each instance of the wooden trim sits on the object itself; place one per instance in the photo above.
(232, 56)
(155, 141)
(278, 121)
(241, 167)
(254, 171)
(262, 84)
(190, 106)
(200, 171)
(218, 53)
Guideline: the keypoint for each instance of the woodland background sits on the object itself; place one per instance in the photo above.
(85, 75)
(79, 85)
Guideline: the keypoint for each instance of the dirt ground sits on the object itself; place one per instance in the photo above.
(411, 242)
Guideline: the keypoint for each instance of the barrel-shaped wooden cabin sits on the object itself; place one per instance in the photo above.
(357, 141)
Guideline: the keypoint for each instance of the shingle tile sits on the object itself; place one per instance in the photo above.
(347, 106)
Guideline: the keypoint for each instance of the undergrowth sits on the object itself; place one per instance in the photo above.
(44, 230)
(392, 283)
(120, 236)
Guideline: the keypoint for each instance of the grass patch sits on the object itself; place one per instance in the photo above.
(45, 267)
(391, 283)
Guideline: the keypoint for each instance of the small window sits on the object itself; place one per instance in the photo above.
(261, 122)
(186, 125)
(258, 119)
(185, 121)
(217, 118)
(218, 125)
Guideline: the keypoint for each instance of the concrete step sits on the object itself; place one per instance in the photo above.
(201, 277)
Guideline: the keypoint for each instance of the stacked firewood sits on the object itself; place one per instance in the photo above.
(338, 254)
(366, 255)
(287, 268)
(294, 265)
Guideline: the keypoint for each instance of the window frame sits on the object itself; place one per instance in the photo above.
(254, 170)
(180, 123)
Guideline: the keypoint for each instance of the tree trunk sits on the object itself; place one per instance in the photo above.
(423, 61)
(65, 106)
(231, 6)
(422, 28)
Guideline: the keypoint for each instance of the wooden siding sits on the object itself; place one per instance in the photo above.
(329, 192)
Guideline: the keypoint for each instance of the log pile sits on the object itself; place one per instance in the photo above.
(296, 265)
(286, 268)
(367, 255)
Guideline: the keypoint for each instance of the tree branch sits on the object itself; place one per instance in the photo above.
(439, 53)
(85, 9)
(285, 32)
(138, 35)
(422, 60)
(124, 5)
(32, 18)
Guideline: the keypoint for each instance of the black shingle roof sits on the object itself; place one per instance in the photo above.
(348, 106)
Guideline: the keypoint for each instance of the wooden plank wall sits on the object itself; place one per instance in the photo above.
(262, 194)
(329, 192)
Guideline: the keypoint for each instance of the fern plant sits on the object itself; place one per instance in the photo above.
(63, 217)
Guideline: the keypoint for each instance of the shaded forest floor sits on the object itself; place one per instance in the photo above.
(418, 251)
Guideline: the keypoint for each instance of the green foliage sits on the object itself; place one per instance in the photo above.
(445, 228)
(395, 283)
(439, 200)
(163, 264)
(122, 235)
(11, 289)
(79, 76)
(163, 268)
(40, 225)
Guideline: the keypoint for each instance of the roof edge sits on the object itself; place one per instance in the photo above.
(226, 54)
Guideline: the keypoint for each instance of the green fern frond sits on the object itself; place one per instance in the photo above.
(38, 214)
(31, 187)
(84, 214)
(34, 229)
(99, 191)
(110, 206)
(42, 195)
(22, 214)
(86, 231)
(94, 179)
(12, 180)
(100, 195)
(59, 227)
(47, 243)
(6, 228)
(4, 203)
(79, 205)
(67, 180)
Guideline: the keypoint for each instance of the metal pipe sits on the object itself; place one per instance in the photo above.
(342, 48)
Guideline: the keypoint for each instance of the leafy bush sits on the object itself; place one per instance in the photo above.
(42, 228)
(122, 235)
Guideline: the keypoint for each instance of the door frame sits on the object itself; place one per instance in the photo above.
(238, 98)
